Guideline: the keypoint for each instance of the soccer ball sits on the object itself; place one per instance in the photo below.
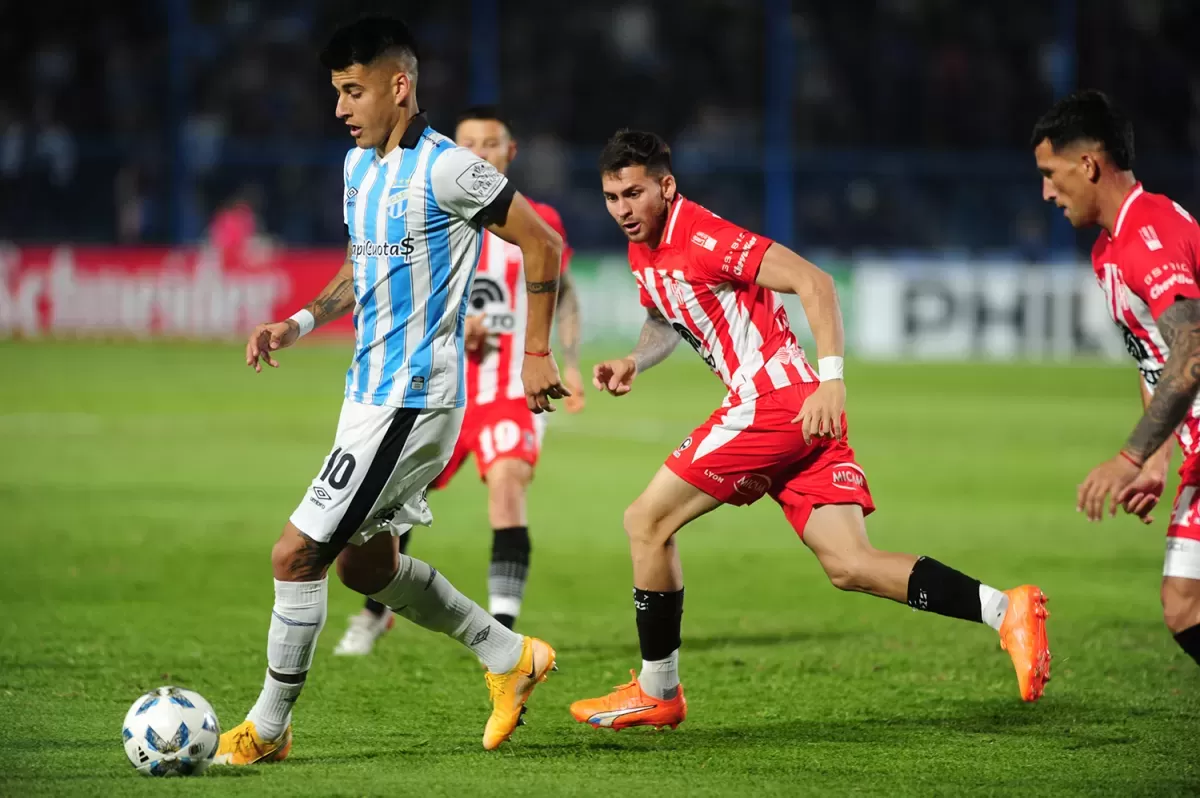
(170, 732)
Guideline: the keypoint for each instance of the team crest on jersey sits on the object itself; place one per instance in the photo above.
(1150, 236)
(397, 201)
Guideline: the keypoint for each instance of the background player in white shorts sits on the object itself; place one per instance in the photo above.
(498, 429)
(415, 208)
(1147, 261)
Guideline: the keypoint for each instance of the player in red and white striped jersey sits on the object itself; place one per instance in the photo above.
(498, 428)
(1147, 260)
(781, 432)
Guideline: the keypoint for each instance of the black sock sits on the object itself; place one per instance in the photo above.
(934, 587)
(659, 616)
(508, 572)
(1189, 641)
(373, 606)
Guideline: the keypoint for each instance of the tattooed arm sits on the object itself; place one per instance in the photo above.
(1180, 381)
(337, 297)
(1173, 395)
(569, 328)
(334, 301)
(657, 341)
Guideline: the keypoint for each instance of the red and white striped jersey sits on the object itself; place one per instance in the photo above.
(498, 292)
(702, 279)
(1151, 259)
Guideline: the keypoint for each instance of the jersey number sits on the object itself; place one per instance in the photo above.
(338, 470)
(695, 343)
(499, 439)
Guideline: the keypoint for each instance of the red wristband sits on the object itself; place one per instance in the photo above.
(537, 354)
(1124, 454)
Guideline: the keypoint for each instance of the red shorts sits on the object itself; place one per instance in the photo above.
(1183, 533)
(494, 431)
(745, 452)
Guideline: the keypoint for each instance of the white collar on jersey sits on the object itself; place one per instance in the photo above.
(676, 205)
(1136, 192)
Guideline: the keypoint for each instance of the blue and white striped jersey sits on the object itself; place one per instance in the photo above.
(415, 219)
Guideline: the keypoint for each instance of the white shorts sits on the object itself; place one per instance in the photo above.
(375, 478)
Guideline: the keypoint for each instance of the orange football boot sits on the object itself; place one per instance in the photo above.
(1023, 636)
(628, 706)
(242, 745)
(509, 691)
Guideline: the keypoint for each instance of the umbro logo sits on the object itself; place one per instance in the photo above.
(481, 635)
(321, 493)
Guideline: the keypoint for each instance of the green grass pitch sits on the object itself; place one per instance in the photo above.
(141, 488)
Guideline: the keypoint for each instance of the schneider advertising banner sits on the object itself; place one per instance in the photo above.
(893, 310)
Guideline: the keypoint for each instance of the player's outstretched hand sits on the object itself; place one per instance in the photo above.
(821, 413)
(574, 380)
(1108, 478)
(1142, 495)
(542, 383)
(266, 338)
(615, 376)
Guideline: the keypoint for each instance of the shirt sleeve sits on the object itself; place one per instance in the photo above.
(469, 187)
(721, 252)
(553, 219)
(346, 190)
(1161, 270)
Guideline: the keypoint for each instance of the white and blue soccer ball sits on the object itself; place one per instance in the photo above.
(171, 732)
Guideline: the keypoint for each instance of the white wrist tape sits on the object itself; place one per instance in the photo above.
(304, 318)
(829, 368)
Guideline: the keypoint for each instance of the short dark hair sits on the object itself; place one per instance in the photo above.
(636, 148)
(487, 113)
(1088, 116)
(365, 39)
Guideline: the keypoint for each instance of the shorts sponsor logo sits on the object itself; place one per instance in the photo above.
(714, 477)
(848, 476)
(321, 493)
(683, 447)
(530, 441)
(385, 515)
(314, 501)
(753, 484)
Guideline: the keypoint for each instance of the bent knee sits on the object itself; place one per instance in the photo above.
(1181, 604)
(297, 558)
(644, 526)
(849, 571)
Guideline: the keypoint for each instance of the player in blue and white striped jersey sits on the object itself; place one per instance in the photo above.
(415, 210)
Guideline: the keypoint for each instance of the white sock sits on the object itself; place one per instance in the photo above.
(993, 604)
(425, 597)
(296, 621)
(273, 711)
(504, 605)
(660, 678)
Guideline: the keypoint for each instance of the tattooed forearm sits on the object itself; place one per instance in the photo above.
(543, 287)
(334, 301)
(657, 341)
(1176, 389)
(569, 327)
(337, 297)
